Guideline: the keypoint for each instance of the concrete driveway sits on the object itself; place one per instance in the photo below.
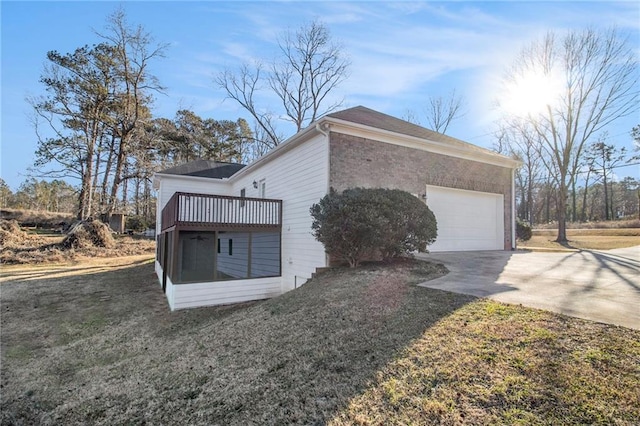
(600, 286)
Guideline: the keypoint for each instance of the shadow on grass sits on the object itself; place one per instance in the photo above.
(103, 346)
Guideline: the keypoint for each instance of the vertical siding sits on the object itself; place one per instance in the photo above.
(299, 178)
(236, 263)
(265, 254)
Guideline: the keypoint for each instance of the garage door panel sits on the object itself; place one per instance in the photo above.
(467, 220)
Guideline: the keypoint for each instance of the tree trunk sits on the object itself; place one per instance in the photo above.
(104, 201)
(530, 200)
(561, 207)
(117, 175)
(611, 204)
(583, 214)
(606, 198)
(574, 217)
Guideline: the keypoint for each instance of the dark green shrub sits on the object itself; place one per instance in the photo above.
(523, 230)
(136, 223)
(411, 224)
(360, 223)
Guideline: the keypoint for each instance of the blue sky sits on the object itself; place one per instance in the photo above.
(401, 53)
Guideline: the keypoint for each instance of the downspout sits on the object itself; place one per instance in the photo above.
(323, 129)
(513, 209)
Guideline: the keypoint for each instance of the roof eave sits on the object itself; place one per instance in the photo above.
(475, 154)
(158, 176)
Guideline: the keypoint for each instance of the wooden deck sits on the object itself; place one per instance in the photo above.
(202, 211)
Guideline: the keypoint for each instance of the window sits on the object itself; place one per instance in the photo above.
(243, 193)
(223, 255)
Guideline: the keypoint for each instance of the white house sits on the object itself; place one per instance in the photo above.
(229, 233)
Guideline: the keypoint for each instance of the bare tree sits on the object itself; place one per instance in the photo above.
(309, 68)
(440, 112)
(598, 75)
(523, 144)
(134, 49)
(242, 86)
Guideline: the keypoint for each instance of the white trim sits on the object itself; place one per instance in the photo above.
(156, 182)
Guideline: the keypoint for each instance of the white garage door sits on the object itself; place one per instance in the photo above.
(467, 220)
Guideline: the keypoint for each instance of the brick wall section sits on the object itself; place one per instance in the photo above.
(360, 162)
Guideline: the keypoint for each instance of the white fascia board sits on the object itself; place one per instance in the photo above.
(158, 176)
(474, 154)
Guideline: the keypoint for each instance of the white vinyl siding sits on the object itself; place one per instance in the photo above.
(299, 178)
(265, 254)
(183, 296)
(467, 220)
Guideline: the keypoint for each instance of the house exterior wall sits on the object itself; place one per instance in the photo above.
(299, 178)
(361, 162)
(235, 264)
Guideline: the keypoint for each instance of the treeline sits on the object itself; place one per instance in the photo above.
(623, 202)
(585, 80)
(596, 190)
(33, 194)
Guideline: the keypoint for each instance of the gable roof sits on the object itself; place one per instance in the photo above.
(204, 168)
(368, 117)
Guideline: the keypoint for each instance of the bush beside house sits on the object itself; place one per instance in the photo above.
(523, 230)
(362, 223)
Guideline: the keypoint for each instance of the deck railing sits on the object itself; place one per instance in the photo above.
(202, 210)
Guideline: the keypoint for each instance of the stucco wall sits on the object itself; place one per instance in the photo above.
(360, 162)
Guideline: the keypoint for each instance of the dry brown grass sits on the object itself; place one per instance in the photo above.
(608, 224)
(96, 344)
(38, 218)
(585, 239)
(94, 240)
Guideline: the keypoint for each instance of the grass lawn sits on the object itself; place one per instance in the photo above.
(95, 343)
(585, 239)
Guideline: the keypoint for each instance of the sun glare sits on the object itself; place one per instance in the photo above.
(530, 94)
